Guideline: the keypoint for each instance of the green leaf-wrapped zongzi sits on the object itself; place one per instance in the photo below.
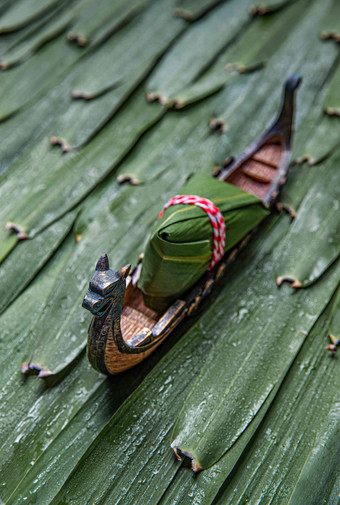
(181, 246)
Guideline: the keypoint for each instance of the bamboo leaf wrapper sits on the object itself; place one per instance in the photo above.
(181, 245)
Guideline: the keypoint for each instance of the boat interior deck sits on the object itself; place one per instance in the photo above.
(257, 173)
(135, 315)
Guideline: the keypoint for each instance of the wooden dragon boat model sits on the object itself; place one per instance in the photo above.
(124, 331)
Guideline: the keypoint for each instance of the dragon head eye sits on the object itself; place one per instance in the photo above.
(96, 303)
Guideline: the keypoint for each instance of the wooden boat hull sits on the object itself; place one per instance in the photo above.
(124, 331)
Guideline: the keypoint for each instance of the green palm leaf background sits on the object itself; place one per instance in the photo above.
(106, 108)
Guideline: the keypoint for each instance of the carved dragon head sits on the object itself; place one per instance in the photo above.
(106, 287)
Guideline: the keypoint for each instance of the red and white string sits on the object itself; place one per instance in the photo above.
(215, 217)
